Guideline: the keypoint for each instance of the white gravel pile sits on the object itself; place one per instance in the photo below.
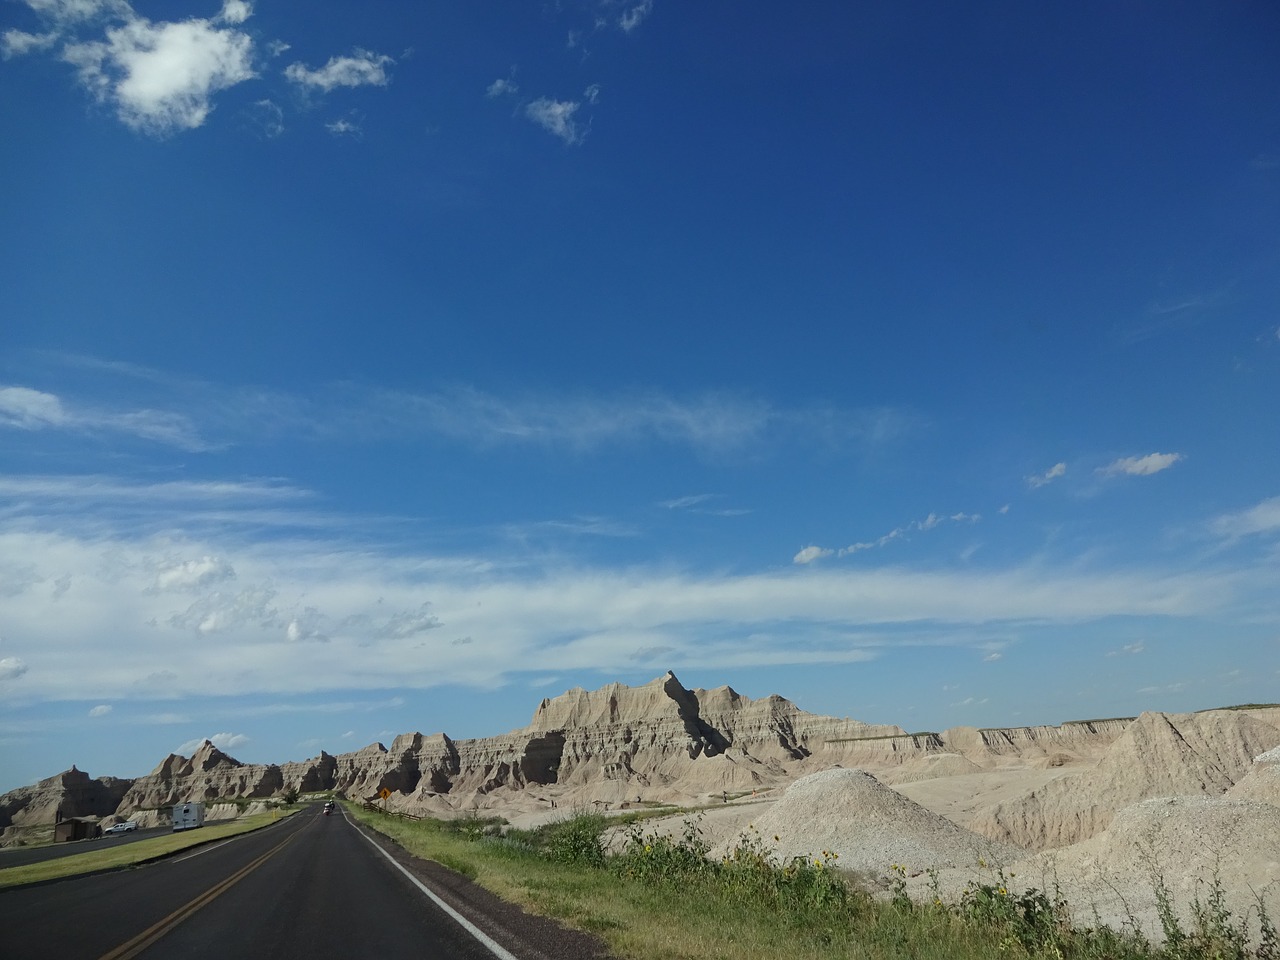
(868, 825)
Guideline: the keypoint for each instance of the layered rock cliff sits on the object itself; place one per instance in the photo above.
(1158, 755)
(208, 775)
(71, 793)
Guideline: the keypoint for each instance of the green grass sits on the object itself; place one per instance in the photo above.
(661, 898)
(130, 854)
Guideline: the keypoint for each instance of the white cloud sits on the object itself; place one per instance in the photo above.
(1042, 479)
(810, 554)
(162, 76)
(98, 488)
(29, 409)
(391, 617)
(344, 128)
(1168, 688)
(101, 710)
(592, 93)
(1262, 518)
(307, 627)
(1140, 466)
(11, 668)
(192, 574)
(635, 16)
(1129, 648)
(993, 656)
(70, 11)
(501, 87)
(223, 741)
(556, 117)
(363, 68)
(928, 523)
(235, 11)
(682, 503)
(16, 43)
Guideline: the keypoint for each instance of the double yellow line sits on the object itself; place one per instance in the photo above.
(153, 933)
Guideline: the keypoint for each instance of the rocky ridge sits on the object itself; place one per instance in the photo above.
(659, 741)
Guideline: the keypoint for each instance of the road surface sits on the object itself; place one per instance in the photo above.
(309, 887)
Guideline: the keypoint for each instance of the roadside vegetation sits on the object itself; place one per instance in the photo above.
(654, 897)
(131, 854)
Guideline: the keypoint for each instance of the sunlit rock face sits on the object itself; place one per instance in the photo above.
(209, 774)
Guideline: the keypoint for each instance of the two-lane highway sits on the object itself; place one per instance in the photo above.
(312, 886)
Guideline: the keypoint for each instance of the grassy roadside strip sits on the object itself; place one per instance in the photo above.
(133, 854)
(641, 916)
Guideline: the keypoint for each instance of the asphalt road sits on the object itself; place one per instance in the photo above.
(309, 887)
(21, 856)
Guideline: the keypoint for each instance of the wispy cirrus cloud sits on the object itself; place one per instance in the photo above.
(378, 619)
(23, 408)
(102, 488)
(712, 422)
(915, 526)
(1261, 518)
(811, 553)
(1146, 466)
(635, 15)
(1044, 479)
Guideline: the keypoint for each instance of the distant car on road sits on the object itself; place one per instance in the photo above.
(124, 826)
(328, 808)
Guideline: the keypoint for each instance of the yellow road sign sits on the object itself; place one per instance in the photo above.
(384, 793)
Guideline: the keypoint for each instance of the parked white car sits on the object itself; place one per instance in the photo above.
(124, 826)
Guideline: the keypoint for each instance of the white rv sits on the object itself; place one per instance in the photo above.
(188, 816)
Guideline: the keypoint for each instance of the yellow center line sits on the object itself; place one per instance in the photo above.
(153, 933)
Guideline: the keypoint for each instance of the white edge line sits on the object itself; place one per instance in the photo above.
(496, 949)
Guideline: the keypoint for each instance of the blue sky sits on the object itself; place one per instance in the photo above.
(397, 365)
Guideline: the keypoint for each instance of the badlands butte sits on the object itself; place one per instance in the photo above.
(1090, 806)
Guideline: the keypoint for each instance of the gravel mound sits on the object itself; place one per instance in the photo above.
(867, 824)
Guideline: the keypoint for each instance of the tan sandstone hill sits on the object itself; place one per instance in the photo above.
(1158, 755)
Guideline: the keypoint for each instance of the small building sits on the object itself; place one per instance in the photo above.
(75, 828)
